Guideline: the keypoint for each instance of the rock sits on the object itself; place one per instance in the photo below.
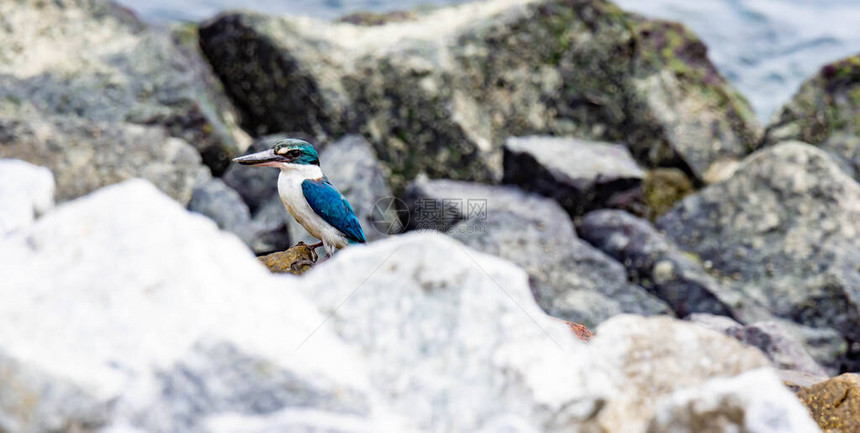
(824, 112)
(257, 185)
(786, 228)
(835, 403)
(662, 188)
(441, 93)
(281, 262)
(223, 205)
(638, 371)
(350, 164)
(95, 60)
(271, 226)
(754, 401)
(85, 156)
(159, 322)
(26, 192)
(570, 279)
(798, 380)
(770, 337)
(453, 337)
(660, 266)
(581, 175)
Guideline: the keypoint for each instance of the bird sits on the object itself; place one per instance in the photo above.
(309, 196)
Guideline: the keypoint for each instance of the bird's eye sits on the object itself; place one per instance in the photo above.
(294, 153)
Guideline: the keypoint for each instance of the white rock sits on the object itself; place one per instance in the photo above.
(453, 337)
(752, 402)
(26, 191)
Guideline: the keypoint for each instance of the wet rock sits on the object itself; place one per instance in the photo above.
(581, 175)
(755, 401)
(824, 112)
(95, 60)
(441, 93)
(159, 322)
(570, 279)
(283, 261)
(786, 228)
(771, 338)
(638, 372)
(84, 156)
(660, 266)
(835, 403)
(26, 192)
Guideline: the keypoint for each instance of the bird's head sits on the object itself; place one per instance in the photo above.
(289, 152)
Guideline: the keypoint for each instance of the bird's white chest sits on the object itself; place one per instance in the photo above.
(290, 190)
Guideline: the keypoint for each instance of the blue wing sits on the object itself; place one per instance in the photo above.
(332, 207)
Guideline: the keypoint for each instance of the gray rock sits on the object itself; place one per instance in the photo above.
(570, 279)
(350, 164)
(95, 60)
(85, 156)
(581, 175)
(223, 205)
(440, 93)
(770, 337)
(824, 112)
(26, 192)
(271, 226)
(257, 185)
(753, 402)
(158, 321)
(637, 367)
(660, 266)
(786, 227)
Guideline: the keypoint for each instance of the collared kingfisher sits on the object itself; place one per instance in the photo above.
(308, 195)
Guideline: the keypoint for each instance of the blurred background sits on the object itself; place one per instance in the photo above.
(581, 216)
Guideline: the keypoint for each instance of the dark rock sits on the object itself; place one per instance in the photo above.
(84, 156)
(835, 403)
(257, 185)
(95, 60)
(271, 228)
(824, 112)
(570, 279)
(581, 175)
(441, 94)
(770, 337)
(661, 267)
(786, 228)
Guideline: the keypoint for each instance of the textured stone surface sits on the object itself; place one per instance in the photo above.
(581, 175)
(85, 156)
(786, 227)
(771, 338)
(825, 112)
(26, 192)
(753, 402)
(570, 279)
(223, 205)
(93, 59)
(283, 261)
(835, 403)
(440, 93)
(638, 367)
(257, 185)
(661, 267)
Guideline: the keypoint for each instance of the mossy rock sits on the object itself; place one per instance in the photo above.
(282, 262)
(662, 188)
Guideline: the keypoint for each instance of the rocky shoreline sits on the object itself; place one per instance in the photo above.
(515, 164)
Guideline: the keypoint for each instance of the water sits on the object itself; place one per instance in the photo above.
(765, 47)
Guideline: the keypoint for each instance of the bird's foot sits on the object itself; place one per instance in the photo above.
(316, 245)
(297, 265)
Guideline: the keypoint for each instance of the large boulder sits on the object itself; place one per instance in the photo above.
(85, 156)
(440, 93)
(151, 317)
(581, 175)
(825, 112)
(26, 192)
(786, 228)
(570, 279)
(94, 59)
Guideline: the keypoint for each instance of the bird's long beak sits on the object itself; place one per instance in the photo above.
(261, 159)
